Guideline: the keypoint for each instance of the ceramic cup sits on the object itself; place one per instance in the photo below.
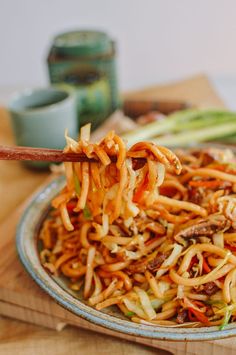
(41, 116)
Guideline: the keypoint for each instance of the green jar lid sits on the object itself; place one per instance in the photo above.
(83, 43)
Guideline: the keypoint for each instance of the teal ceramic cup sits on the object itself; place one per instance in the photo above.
(40, 117)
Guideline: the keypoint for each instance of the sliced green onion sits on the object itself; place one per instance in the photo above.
(226, 319)
(87, 213)
(129, 314)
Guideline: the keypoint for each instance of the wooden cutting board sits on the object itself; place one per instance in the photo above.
(20, 297)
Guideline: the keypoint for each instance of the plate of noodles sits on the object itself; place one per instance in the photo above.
(140, 240)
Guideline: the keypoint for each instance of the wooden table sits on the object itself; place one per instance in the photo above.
(16, 183)
(24, 339)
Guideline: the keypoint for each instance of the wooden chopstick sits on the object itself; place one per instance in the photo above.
(43, 154)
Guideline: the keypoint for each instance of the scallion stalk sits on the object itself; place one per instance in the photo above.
(201, 135)
(186, 127)
(150, 130)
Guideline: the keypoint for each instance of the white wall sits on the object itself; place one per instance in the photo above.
(158, 40)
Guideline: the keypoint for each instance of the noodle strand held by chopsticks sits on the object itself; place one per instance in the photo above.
(147, 231)
(84, 187)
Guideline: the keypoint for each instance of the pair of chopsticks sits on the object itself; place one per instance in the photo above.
(53, 155)
(43, 154)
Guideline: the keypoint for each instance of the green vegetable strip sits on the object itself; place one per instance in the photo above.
(226, 319)
(87, 213)
(185, 121)
(129, 314)
(201, 135)
(147, 131)
(201, 123)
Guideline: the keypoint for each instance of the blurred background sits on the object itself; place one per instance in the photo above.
(157, 40)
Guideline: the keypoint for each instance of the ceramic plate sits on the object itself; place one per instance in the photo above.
(28, 248)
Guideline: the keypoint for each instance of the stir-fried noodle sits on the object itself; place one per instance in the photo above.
(149, 231)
